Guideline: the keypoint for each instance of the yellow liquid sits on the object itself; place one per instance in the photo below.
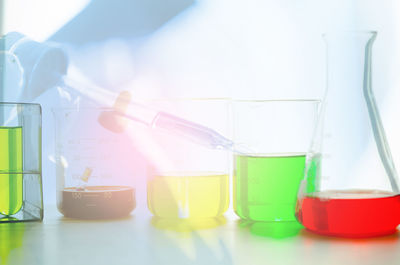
(10, 170)
(189, 196)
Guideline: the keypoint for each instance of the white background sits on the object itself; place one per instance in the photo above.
(256, 49)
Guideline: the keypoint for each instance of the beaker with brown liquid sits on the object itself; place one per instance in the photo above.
(94, 172)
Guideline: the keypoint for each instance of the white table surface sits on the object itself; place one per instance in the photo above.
(143, 239)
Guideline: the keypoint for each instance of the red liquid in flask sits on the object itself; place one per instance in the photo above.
(350, 213)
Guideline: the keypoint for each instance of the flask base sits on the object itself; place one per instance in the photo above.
(359, 235)
(353, 213)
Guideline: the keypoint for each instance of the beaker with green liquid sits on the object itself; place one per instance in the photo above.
(20, 162)
(273, 137)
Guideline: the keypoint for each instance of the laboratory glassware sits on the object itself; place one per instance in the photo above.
(21, 196)
(350, 188)
(93, 166)
(276, 135)
(189, 180)
(29, 68)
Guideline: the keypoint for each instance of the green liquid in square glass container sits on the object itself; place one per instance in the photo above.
(265, 186)
(10, 170)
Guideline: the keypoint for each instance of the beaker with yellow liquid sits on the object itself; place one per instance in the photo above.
(21, 196)
(189, 180)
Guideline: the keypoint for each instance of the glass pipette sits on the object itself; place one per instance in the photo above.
(153, 118)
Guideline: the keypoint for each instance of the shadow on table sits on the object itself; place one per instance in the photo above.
(187, 225)
(189, 241)
(275, 230)
(11, 237)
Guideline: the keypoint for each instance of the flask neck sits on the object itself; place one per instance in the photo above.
(348, 61)
(350, 110)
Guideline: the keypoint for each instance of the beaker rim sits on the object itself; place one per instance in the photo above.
(344, 32)
(188, 173)
(19, 104)
(143, 100)
(184, 99)
(58, 109)
(278, 100)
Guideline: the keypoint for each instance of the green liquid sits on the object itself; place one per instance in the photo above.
(265, 187)
(10, 162)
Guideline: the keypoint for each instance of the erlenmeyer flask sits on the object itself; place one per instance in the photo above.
(350, 187)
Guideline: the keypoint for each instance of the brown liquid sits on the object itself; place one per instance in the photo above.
(97, 202)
